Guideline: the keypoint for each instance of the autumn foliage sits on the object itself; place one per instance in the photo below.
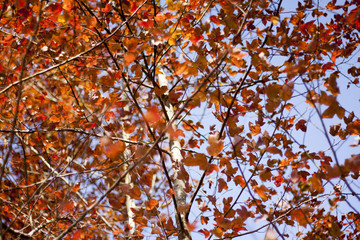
(179, 119)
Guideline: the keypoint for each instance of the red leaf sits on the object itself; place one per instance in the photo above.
(195, 39)
(107, 8)
(146, 23)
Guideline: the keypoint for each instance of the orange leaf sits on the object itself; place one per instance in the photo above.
(160, 17)
(218, 232)
(153, 115)
(113, 150)
(211, 168)
(239, 180)
(160, 91)
(129, 57)
(191, 226)
(68, 5)
(151, 204)
(261, 191)
(255, 129)
(335, 54)
(237, 53)
(216, 145)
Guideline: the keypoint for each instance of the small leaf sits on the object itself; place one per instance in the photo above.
(107, 8)
(153, 115)
(261, 191)
(222, 185)
(68, 5)
(151, 204)
(237, 53)
(197, 160)
(274, 150)
(274, 20)
(216, 145)
(301, 124)
(146, 23)
(239, 180)
(129, 57)
(135, 193)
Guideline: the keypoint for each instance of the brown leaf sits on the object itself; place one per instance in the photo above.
(222, 185)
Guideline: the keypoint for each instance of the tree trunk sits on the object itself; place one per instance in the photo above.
(177, 164)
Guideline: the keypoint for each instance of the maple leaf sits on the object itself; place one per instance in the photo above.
(215, 144)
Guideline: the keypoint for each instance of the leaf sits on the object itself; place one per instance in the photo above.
(151, 204)
(274, 20)
(216, 145)
(239, 180)
(218, 232)
(335, 230)
(135, 193)
(287, 91)
(335, 54)
(112, 150)
(301, 124)
(265, 175)
(107, 8)
(255, 129)
(146, 23)
(222, 185)
(353, 163)
(68, 5)
(262, 192)
(160, 17)
(316, 184)
(197, 160)
(153, 115)
(21, 4)
(160, 91)
(129, 58)
(294, 177)
(274, 150)
(237, 53)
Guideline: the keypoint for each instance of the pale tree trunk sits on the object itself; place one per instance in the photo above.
(177, 164)
(130, 203)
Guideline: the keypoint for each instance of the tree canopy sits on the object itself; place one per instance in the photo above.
(179, 119)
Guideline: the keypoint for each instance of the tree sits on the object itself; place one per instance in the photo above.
(180, 119)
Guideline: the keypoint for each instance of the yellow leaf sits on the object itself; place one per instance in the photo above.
(218, 232)
(61, 19)
(274, 20)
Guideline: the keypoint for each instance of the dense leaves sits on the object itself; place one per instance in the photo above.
(218, 119)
